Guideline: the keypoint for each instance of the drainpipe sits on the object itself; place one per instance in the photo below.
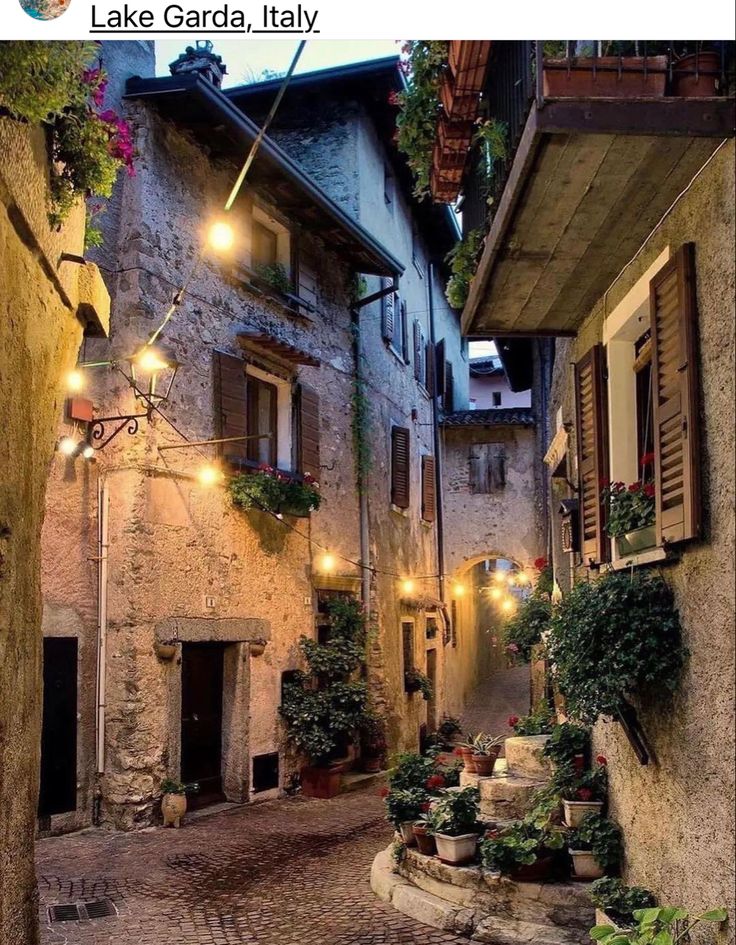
(437, 447)
(103, 509)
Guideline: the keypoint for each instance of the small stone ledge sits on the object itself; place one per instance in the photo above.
(212, 629)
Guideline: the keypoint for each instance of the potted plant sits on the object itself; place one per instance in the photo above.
(403, 808)
(568, 746)
(174, 800)
(273, 490)
(424, 837)
(486, 749)
(525, 850)
(585, 794)
(466, 750)
(454, 822)
(631, 513)
(411, 771)
(372, 743)
(697, 73)
(416, 681)
(616, 903)
(324, 707)
(540, 721)
(665, 925)
(595, 847)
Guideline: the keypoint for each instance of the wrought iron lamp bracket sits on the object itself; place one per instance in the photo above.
(97, 428)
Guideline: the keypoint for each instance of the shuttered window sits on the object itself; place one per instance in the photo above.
(400, 467)
(675, 408)
(230, 403)
(306, 283)
(592, 436)
(388, 303)
(308, 460)
(429, 368)
(429, 489)
(417, 349)
(487, 468)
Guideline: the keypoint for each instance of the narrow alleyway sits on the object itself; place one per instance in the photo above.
(502, 694)
(277, 873)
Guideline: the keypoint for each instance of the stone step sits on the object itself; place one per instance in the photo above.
(503, 796)
(496, 931)
(524, 757)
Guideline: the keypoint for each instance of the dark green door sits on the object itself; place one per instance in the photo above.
(201, 720)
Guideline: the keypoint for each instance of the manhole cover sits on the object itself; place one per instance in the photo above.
(74, 911)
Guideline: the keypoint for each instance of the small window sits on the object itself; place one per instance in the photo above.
(262, 421)
(389, 185)
(265, 246)
(265, 772)
(407, 647)
(496, 398)
(487, 468)
(431, 630)
(270, 244)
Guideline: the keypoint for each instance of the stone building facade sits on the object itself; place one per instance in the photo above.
(159, 586)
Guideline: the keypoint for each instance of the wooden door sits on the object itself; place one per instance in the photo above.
(58, 792)
(201, 720)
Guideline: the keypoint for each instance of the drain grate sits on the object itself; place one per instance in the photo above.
(74, 911)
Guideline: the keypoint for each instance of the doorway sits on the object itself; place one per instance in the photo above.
(201, 720)
(58, 792)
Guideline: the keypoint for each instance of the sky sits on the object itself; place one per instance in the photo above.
(246, 58)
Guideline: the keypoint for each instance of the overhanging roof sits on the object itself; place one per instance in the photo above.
(225, 131)
(492, 417)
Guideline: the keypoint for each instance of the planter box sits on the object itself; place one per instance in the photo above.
(641, 539)
(456, 850)
(603, 918)
(576, 810)
(605, 77)
(585, 865)
(321, 782)
(536, 872)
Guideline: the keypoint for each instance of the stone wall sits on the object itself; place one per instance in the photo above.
(39, 338)
(677, 813)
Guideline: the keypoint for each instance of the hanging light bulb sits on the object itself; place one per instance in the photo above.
(149, 360)
(522, 578)
(511, 579)
(67, 446)
(75, 381)
(508, 605)
(495, 593)
(221, 236)
(327, 563)
(500, 576)
(209, 475)
(88, 451)
(407, 585)
(459, 590)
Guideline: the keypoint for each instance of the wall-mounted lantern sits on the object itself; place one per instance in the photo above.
(569, 528)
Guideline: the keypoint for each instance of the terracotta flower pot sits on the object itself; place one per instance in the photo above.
(469, 760)
(576, 810)
(585, 865)
(456, 850)
(605, 77)
(321, 782)
(173, 808)
(425, 840)
(535, 872)
(484, 764)
(697, 76)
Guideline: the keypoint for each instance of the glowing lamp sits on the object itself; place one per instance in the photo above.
(88, 451)
(500, 576)
(459, 590)
(507, 605)
(158, 368)
(407, 586)
(522, 578)
(221, 236)
(327, 563)
(75, 381)
(209, 475)
(495, 593)
(67, 446)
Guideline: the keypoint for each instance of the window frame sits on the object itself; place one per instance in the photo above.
(285, 441)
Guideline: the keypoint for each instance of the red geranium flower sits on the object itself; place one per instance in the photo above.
(434, 782)
(647, 459)
(424, 807)
(635, 487)
(584, 794)
(649, 490)
(540, 563)
(512, 720)
(602, 760)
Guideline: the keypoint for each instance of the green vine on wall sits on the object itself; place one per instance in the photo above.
(463, 260)
(360, 418)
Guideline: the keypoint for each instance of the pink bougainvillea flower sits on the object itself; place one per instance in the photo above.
(512, 720)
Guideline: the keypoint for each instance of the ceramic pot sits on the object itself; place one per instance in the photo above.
(576, 810)
(173, 808)
(535, 872)
(640, 539)
(406, 829)
(585, 865)
(321, 782)
(425, 840)
(469, 760)
(688, 84)
(484, 763)
(456, 850)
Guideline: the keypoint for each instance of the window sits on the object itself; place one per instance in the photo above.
(487, 468)
(407, 648)
(389, 185)
(262, 421)
(270, 241)
(429, 489)
(394, 322)
(496, 398)
(400, 466)
(265, 246)
(431, 628)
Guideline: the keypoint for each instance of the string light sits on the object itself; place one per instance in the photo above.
(508, 605)
(500, 576)
(88, 451)
(75, 381)
(67, 446)
(209, 475)
(458, 590)
(327, 563)
(523, 578)
(221, 236)
(407, 585)
(495, 593)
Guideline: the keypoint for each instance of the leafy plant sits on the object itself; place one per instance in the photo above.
(540, 721)
(525, 628)
(482, 744)
(491, 136)
(449, 726)
(602, 837)
(629, 507)
(614, 637)
(411, 771)
(591, 785)
(455, 813)
(668, 925)
(462, 260)
(618, 900)
(324, 706)
(520, 844)
(416, 681)
(420, 107)
(39, 80)
(275, 491)
(372, 736)
(566, 741)
(276, 276)
(404, 805)
(171, 786)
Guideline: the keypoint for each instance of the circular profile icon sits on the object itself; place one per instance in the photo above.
(44, 9)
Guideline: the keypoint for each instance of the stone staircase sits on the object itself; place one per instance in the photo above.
(482, 906)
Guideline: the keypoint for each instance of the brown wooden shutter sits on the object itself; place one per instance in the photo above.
(429, 489)
(448, 399)
(440, 377)
(230, 402)
(417, 350)
(592, 435)
(672, 303)
(400, 466)
(306, 287)
(387, 311)
(308, 431)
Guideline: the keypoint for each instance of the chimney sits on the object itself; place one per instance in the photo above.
(201, 60)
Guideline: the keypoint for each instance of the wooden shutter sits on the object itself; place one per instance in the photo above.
(308, 431)
(404, 332)
(417, 338)
(230, 402)
(306, 287)
(592, 435)
(448, 399)
(387, 311)
(429, 489)
(429, 367)
(675, 402)
(440, 377)
(400, 466)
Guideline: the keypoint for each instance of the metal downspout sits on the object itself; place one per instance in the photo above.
(437, 447)
(103, 509)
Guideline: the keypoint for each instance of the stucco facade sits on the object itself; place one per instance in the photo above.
(677, 812)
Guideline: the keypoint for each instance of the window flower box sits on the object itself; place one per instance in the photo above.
(275, 491)
(639, 539)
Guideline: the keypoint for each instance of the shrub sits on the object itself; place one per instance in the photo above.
(524, 630)
(411, 771)
(462, 260)
(566, 741)
(455, 813)
(668, 925)
(618, 900)
(41, 79)
(612, 638)
(602, 837)
(520, 844)
(416, 681)
(404, 805)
